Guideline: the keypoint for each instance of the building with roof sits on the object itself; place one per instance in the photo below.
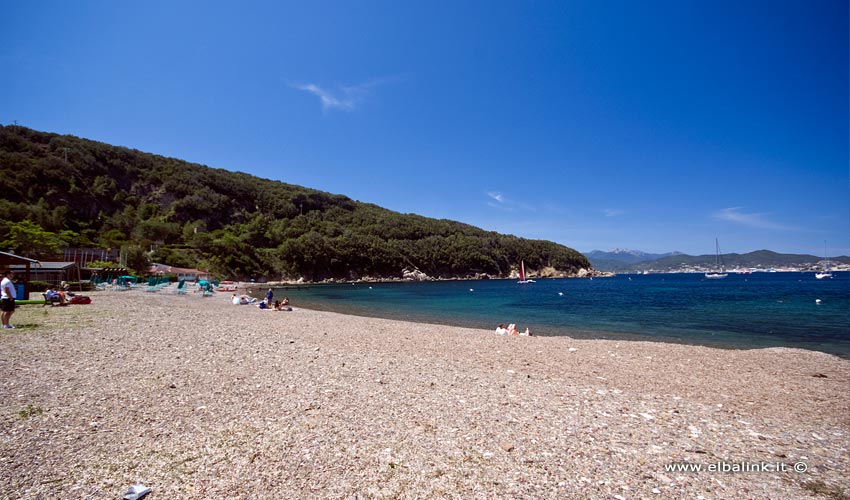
(182, 273)
(52, 272)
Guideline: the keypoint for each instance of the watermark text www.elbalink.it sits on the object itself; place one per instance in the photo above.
(736, 467)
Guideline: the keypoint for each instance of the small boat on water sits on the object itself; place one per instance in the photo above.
(227, 286)
(720, 271)
(522, 279)
(827, 271)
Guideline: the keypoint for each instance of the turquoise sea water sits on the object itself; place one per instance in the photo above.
(741, 311)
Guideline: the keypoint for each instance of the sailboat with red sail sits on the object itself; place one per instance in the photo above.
(522, 279)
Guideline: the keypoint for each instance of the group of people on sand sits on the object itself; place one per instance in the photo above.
(512, 331)
(267, 303)
(277, 305)
(61, 294)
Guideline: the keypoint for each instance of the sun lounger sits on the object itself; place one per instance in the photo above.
(55, 301)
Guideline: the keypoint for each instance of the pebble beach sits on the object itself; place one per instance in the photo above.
(196, 398)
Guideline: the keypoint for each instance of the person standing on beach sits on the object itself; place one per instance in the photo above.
(7, 298)
(269, 297)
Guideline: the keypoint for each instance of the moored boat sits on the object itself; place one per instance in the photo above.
(227, 286)
(827, 271)
(720, 273)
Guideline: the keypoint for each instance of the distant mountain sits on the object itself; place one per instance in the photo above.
(620, 258)
(625, 255)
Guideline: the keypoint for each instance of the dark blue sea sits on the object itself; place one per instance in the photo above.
(740, 311)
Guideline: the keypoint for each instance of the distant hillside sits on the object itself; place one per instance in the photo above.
(238, 226)
(626, 256)
(761, 259)
(621, 260)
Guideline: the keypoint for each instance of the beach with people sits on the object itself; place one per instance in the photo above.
(194, 398)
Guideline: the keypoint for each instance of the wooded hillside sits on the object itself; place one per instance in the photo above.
(234, 224)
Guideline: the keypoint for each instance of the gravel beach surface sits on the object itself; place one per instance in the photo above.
(197, 398)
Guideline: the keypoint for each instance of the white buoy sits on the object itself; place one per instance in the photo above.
(471, 289)
(817, 301)
(560, 293)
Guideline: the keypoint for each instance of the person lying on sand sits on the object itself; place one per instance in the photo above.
(511, 330)
(241, 299)
(283, 305)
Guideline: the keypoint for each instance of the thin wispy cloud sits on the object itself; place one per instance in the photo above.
(754, 220)
(328, 99)
(343, 97)
(498, 200)
(613, 212)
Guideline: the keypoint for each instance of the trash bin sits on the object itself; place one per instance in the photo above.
(19, 291)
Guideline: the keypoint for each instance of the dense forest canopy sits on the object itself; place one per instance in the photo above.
(233, 224)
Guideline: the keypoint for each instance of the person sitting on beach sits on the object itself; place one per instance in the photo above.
(501, 330)
(284, 305)
(66, 289)
(234, 299)
(52, 294)
(263, 305)
(526, 333)
(512, 330)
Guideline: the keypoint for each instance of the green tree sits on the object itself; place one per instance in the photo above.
(112, 238)
(134, 257)
(29, 239)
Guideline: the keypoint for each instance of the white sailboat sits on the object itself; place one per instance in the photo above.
(522, 279)
(718, 262)
(827, 272)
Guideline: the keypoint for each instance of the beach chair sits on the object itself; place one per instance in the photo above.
(181, 287)
(55, 301)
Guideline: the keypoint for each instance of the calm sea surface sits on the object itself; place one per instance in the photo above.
(741, 311)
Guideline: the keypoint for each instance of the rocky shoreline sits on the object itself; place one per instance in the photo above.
(417, 275)
(196, 398)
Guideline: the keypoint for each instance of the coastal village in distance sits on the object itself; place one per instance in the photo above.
(836, 267)
(619, 261)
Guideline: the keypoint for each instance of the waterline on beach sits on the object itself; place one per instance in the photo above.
(768, 310)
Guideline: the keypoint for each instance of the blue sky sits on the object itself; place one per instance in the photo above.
(654, 125)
